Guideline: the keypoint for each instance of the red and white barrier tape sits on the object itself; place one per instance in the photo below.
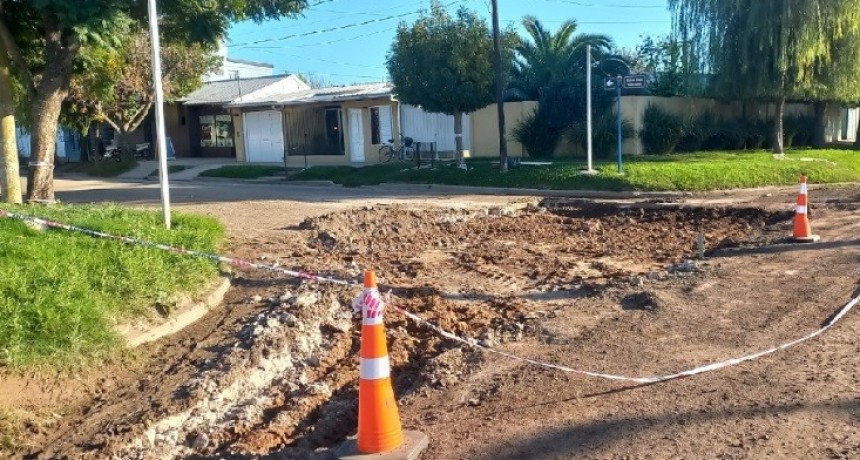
(640, 380)
(242, 263)
(442, 332)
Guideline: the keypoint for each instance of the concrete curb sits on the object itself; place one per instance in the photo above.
(511, 191)
(268, 180)
(187, 313)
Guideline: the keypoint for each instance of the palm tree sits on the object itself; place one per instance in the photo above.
(547, 59)
(550, 67)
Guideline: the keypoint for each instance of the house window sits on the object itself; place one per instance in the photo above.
(374, 126)
(216, 131)
(380, 124)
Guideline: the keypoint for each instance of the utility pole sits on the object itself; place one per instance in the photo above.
(588, 105)
(500, 88)
(159, 113)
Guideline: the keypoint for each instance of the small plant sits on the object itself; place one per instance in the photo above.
(604, 134)
(697, 131)
(728, 135)
(662, 131)
(539, 140)
(799, 130)
(165, 304)
(758, 134)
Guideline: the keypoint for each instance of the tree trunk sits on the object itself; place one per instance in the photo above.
(820, 129)
(45, 112)
(857, 136)
(60, 52)
(778, 145)
(10, 182)
(500, 89)
(458, 138)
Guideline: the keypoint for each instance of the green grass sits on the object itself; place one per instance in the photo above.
(244, 171)
(683, 172)
(63, 292)
(171, 169)
(104, 168)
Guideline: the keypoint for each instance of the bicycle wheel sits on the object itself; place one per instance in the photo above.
(408, 154)
(386, 153)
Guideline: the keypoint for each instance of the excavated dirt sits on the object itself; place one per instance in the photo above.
(606, 288)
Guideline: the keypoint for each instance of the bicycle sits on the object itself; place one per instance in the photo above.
(403, 153)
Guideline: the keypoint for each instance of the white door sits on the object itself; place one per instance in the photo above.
(264, 137)
(356, 136)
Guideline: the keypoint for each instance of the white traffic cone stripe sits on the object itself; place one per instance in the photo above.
(374, 368)
(800, 209)
(803, 189)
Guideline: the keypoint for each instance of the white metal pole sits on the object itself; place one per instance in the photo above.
(588, 105)
(160, 133)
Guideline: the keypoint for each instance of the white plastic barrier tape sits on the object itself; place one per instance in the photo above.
(442, 332)
(640, 380)
(40, 164)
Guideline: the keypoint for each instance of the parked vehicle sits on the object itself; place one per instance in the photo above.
(403, 153)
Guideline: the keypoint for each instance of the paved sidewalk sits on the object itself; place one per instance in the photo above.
(195, 167)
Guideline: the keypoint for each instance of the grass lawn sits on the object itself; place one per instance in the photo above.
(682, 172)
(62, 292)
(104, 168)
(245, 171)
(170, 170)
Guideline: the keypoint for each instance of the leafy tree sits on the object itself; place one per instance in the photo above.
(314, 80)
(775, 49)
(10, 182)
(550, 67)
(444, 64)
(44, 38)
(114, 85)
(671, 65)
(545, 58)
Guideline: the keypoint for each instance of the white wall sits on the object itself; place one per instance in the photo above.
(229, 68)
(433, 127)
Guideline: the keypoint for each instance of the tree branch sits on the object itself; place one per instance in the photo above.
(103, 116)
(138, 118)
(15, 55)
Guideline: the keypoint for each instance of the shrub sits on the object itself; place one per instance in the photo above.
(799, 130)
(707, 132)
(604, 134)
(697, 131)
(539, 140)
(758, 134)
(662, 131)
(728, 135)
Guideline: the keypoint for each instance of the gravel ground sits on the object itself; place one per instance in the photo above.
(273, 371)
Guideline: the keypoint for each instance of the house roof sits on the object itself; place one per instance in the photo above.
(247, 62)
(226, 91)
(318, 95)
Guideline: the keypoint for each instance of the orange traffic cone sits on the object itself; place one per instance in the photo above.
(802, 229)
(379, 428)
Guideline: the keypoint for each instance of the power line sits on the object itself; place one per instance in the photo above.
(333, 62)
(306, 45)
(598, 22)
(326, 20)
(606, 5)
(367, 13)
(332, 29)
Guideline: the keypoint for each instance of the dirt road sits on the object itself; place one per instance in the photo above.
(273, 371)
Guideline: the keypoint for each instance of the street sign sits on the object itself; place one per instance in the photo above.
(610, 84)
(637, 81)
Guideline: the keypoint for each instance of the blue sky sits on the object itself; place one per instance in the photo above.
(357, 54)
